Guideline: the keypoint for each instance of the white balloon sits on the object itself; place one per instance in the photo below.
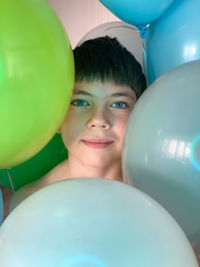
(161, 152)
(127, 35)
(84, 222)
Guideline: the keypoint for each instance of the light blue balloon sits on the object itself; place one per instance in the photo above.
(1, 207)
(92, 222)
(137, 12)
(161, 152)
(173, 39)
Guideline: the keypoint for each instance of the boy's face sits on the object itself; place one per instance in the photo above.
(94, 126)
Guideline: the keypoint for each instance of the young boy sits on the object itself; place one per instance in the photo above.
(108, 82)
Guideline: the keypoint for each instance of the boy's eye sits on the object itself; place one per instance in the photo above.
(120, 105)
(80, 103)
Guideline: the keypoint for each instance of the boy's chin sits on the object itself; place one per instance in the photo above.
(99, 163)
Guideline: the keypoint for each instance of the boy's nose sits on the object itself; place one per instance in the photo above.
(99, 120)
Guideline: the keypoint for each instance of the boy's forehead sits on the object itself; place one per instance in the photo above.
(107, 88)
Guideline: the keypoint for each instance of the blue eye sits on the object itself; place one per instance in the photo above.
(80, 103)
(120, 105)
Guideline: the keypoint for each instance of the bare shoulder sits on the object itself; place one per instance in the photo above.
(22, 193)
(56, 174)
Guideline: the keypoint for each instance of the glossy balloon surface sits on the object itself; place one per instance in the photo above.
(36, 78)
(137, 12)
(92, 222)
(161, 152)
(173, 39)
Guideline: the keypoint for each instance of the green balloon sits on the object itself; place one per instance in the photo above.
(36, 78)
(51, 155)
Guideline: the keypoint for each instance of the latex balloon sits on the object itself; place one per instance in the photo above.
(51, 155)
(137, 12)
(92, 222)
(173, 39)
(126, 34)
(36, 78)
(1, 207)
(161, 152)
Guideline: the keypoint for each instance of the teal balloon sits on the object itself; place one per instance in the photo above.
(51, 155)
(94, 222)
(1, 207)
(161, 152)
(137, 12)
(173, 39)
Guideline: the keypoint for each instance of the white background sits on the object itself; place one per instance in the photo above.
(80, 16)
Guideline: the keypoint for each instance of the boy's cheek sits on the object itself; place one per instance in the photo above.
(120, 128)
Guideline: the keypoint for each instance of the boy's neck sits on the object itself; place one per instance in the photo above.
(71, 168)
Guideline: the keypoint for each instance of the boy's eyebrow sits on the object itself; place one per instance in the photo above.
(79, 92)
(123, 94)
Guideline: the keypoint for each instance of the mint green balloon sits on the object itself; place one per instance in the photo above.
(36, 78)
(92, 222)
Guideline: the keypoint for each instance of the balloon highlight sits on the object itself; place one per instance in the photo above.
(195, 163)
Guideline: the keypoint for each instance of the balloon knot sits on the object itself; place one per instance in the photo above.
(144, 31)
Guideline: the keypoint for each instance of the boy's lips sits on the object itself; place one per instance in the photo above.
(97, 143)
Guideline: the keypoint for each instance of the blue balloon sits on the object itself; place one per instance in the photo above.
(173, 39)
(137, 12)
(1, 207)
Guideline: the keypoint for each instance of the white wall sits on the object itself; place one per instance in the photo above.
(80, 16)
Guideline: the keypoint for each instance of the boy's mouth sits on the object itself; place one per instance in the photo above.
(97, 143)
